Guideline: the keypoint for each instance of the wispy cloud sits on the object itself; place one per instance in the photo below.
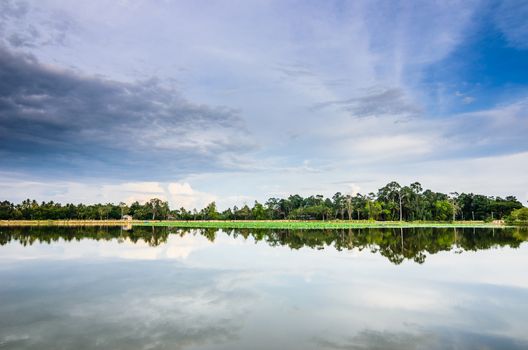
(377, 102)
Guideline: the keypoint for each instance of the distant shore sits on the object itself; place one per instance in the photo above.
(254, 224)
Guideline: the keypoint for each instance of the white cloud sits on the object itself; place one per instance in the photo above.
(183, 195)
(392, 146)
(354, 189)
(15, 188)
(468, 99)
(133, 191)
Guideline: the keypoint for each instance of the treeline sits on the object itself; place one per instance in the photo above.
(32, 210)
(391, 202)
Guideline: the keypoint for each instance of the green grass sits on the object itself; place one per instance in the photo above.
(264, 224)
(307, 225)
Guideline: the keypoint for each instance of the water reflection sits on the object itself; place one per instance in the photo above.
(396, 244)
(159, 288)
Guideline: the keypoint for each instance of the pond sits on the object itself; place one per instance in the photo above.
(168, 288)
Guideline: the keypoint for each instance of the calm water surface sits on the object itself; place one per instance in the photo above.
(146, 288)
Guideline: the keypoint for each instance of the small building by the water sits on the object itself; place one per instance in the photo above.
(127, 217)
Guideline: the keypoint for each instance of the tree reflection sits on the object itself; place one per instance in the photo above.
(396, 244)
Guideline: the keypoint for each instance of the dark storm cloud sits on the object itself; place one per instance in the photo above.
(51, 115)
(392, 101)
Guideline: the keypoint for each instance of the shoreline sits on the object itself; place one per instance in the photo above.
(255, 224)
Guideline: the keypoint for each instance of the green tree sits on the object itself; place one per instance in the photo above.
(443, 210)
(210, 212)
(157, 207)
(258, 211)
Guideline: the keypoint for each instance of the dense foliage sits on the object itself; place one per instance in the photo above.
(518, 217)
(391, 202)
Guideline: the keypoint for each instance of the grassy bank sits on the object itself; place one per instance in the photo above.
(275, 224)
(66, 222)
(306, 225)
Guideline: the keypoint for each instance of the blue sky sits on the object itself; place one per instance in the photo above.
(241, 100)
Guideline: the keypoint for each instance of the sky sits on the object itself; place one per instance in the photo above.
(236, 101)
